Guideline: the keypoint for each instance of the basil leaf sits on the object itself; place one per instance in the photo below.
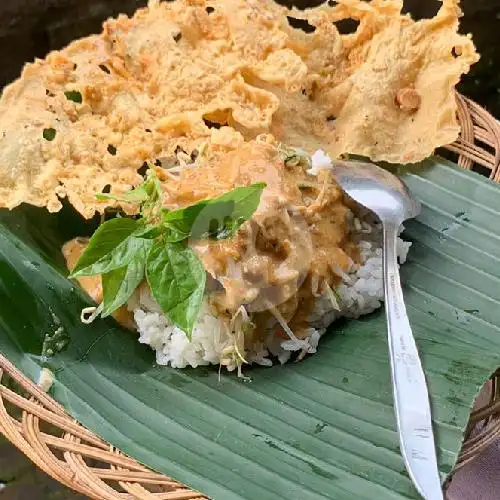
(150, 191)
(153, 186)
(107, 237)
(149, 232)
(121, 256)
(177, 280)
(137, 195)
(173, 235)
(219, 218)
(182, 220)
(169, 235)
(118, 285)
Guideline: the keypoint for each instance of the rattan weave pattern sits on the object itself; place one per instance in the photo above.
(56, 443)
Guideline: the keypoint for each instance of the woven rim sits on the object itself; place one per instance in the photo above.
(74, 456)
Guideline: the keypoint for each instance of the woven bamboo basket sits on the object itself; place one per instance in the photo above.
(74, 456)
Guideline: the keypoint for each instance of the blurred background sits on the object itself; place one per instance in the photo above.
(32, 28)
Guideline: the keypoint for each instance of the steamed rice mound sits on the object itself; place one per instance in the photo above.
(359, 292)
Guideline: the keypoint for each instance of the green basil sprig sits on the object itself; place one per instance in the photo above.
(177, 279)
(218, 218)
(154, 247)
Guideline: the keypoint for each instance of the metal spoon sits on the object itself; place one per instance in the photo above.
(385, 194)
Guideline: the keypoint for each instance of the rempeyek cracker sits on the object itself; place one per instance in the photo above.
(207, 75)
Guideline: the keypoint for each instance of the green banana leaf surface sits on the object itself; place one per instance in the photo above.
(320, 429)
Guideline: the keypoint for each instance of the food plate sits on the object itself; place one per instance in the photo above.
(323, 428)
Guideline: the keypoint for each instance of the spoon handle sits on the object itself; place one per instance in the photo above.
(411, 398)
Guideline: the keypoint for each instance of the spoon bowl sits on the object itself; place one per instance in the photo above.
(378, 190)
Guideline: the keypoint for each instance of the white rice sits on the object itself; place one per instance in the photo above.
(360, 293)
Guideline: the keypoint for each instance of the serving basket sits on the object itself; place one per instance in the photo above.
(42, 429)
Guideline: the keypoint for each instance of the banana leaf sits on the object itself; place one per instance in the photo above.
(320, 429)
